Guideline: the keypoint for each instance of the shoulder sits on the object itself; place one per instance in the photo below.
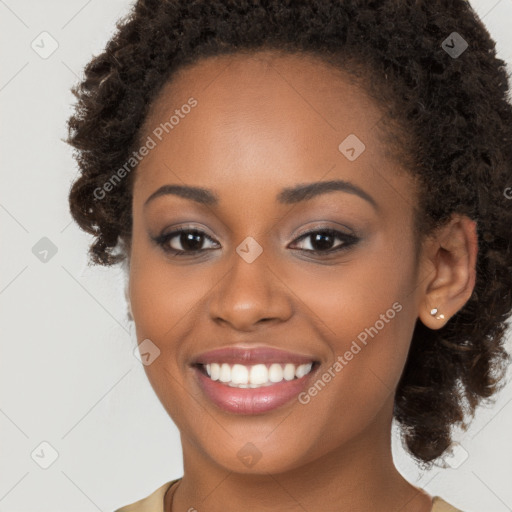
(155, 502)
(439, 505)
(152, 503)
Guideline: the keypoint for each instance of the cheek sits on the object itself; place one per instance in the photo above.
(363, 311)
(163, 299)
(164, 294)
(364, 317)
(161, 291)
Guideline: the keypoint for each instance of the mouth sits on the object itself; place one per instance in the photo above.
(252, 381)
(254, 376)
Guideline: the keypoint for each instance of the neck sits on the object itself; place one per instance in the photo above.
(358, 476)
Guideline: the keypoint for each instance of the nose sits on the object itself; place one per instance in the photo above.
(250, 294)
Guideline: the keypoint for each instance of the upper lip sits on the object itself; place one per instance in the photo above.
(244, 355)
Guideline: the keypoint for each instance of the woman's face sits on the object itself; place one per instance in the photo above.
(250, 130)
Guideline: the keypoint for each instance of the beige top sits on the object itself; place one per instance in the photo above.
(155, 502)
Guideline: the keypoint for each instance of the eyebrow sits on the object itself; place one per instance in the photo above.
(291, 195)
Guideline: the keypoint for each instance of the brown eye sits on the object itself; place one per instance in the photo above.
(322, 241)
(184, 241)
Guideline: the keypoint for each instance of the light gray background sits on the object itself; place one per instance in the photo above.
(67, 370)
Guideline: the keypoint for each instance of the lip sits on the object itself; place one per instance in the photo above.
(251, 401)
(247, 356)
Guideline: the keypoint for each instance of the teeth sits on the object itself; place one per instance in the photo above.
(275, 373)
(302, 370)
(239, 374)
(225, 373)
(258, 375)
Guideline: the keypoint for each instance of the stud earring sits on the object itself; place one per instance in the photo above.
(433, 312)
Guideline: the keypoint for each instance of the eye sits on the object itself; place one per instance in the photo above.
(184, 241)
(188, 242)
(320, 241)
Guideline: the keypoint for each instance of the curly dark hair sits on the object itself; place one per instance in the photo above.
(452, 129)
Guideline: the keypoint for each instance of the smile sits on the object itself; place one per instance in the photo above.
(255, 376)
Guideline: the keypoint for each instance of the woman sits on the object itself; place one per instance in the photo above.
(310, 199)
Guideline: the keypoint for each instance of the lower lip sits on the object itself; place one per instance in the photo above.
(251, 400)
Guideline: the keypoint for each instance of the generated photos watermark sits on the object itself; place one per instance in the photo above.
(137, 156)
(342, 360)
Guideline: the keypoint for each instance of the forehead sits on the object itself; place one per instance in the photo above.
(259, 118)
(251, 86)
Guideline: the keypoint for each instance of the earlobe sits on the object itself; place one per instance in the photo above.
(433, 319)
(434, 312)
(452, 262)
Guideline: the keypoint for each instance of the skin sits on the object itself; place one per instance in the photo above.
(264, 122)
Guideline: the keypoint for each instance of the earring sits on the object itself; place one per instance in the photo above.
(433, 312)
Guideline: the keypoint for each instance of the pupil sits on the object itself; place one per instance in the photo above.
(319, 244)
(194, 241)
(191, 241)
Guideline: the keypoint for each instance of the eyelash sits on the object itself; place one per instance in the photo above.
(348, 240)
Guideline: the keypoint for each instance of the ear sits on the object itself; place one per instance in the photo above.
(449, 261)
